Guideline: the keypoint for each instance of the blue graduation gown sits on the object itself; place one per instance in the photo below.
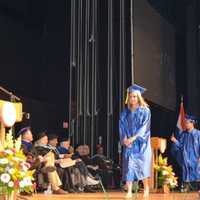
(175, 150)
(136, 158)
(188, 145)
(62, 150)
(27, 145)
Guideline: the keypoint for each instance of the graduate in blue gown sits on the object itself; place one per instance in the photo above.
(188, 151)
(134, 128)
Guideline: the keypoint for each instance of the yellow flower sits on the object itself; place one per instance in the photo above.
(18, 143)
(14, 170)
(166, 174)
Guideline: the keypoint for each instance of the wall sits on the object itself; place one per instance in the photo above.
(34, 57)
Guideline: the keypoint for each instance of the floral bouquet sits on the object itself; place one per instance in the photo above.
(166, 176)
(14, 170)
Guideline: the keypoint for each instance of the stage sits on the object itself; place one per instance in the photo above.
(114, 196)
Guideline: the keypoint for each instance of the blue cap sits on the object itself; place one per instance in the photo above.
(136, 88)
(23, 131)
(191, 118)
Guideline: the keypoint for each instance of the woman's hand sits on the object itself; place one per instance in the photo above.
(133, 138)
(127, 142)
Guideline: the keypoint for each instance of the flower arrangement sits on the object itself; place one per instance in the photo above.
(15, 175)
(166, 176)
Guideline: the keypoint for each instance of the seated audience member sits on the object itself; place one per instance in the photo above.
(26, 146)
(101, 160)
(100, 165)
(105, 163)
(69, 175)
(66, 148)
(41, 149)
(27, 139)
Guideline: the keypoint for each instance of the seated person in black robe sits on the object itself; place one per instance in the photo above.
(40, 148)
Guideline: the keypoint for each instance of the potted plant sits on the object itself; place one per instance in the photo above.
(15, 176)
(166, 177)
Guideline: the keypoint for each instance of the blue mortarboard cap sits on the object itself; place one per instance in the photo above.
(136, 88)
(191, 118)
(23, 131)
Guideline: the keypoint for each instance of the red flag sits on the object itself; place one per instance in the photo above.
(181, 118)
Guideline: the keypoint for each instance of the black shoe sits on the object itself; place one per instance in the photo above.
(71, 191)
(89, 190)
(78, 190)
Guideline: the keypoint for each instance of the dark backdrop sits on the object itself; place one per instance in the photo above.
(36, 65)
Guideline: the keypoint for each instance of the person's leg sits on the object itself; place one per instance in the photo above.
(146, 187)
(187, 186)
(54, 180)
(129, 185)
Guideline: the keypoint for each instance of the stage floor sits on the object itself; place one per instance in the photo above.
(113, 196)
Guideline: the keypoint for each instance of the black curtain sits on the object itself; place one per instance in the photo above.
(100, 70)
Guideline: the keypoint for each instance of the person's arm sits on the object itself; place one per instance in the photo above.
(122, 133)
(144, 131)
(68, 155)
(175, 141)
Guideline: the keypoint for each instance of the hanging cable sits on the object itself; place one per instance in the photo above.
(86, 64)
(94, 66)
(80, 56)
(122, 55)
(89, 66)
(72, 65)
(132, 39)
(109, 74)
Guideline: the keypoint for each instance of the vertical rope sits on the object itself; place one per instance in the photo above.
(109, 75)
(123, 47)
(122, 57)
(132, 40)
(72, 64)
(80, 48)
(86, 68)
(94, 66)
(78, 69)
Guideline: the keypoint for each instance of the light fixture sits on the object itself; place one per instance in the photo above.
(8, 113)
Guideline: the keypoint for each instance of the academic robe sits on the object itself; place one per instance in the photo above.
(188, 152)
(136, 157)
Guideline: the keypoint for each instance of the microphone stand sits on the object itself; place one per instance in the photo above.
(13, 98)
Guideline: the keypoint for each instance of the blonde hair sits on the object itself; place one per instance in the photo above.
(141, 100)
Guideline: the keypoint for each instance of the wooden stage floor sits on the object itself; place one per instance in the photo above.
(113, 196)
